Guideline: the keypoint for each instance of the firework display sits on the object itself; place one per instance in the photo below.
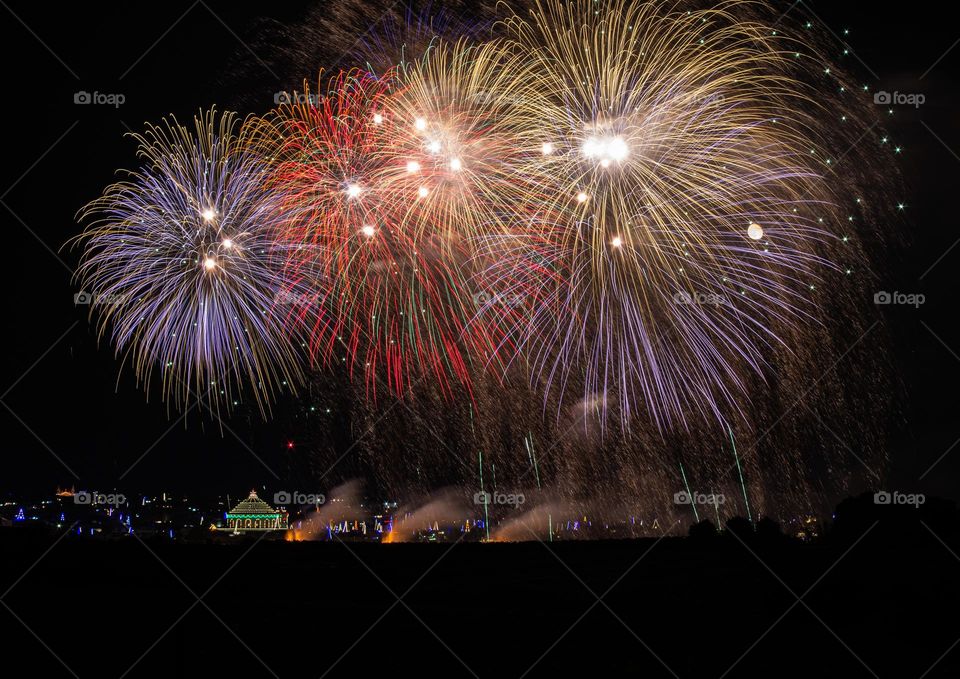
(682, 208)
(184, 269)
(625, 208)
(388, 298)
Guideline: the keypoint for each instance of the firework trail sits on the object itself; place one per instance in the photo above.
(184, 268)
(390, 303)
(457, 148)
(683, 211)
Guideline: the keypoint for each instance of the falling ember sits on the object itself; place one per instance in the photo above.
(755, 231)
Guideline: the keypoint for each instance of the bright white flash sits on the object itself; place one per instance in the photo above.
(606, 149)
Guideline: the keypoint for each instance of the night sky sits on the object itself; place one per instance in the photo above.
(70, 420)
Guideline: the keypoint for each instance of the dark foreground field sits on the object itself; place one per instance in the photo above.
(675, 607)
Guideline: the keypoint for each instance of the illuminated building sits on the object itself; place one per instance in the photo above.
(253, 514)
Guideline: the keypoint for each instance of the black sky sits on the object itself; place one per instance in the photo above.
(69, 420)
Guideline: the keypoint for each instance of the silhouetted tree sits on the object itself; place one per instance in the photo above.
(704, 529)
(739, 526)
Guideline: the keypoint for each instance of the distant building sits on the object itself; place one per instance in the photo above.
(253, 514)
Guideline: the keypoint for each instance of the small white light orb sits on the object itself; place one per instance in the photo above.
(755, 231)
